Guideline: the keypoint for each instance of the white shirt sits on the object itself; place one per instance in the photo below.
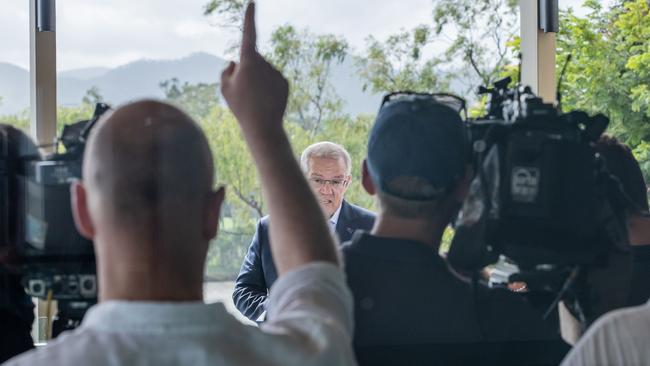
(310, 323)
(621, 337)
(335, 218)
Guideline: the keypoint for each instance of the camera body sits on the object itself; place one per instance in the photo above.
(55, 261)
(541, 196)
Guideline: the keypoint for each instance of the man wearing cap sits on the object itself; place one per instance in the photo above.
(408, 304)
(328, 169)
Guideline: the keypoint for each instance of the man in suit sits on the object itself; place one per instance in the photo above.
(327, 167)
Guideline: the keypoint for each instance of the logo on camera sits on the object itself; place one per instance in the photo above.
(525, 184)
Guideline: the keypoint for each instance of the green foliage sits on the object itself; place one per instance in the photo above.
(306, 60)
(481, 29)
(397, 63)
(610, 69)
(197, 99)
(20, 120)
(642, 155)
(232, 11)
(64, 115)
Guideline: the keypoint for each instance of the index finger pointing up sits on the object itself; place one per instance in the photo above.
(249, 38)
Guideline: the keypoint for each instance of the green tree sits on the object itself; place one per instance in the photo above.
(196, 99)
(482, 30)
(243, 206)
(306, 60)
(397, 63)
(19, 120)
(230, 12)
(610, 69)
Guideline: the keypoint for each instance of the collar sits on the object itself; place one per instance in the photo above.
(335, 218)
(149, 317)
(394, 249)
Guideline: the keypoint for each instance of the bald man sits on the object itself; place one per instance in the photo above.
(147, 203)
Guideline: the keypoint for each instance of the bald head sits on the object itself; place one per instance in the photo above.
(146, 165)
(147, 203)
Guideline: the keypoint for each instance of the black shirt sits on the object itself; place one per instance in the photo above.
(640, 286)
(406, 296)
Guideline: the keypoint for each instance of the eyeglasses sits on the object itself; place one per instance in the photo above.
(335, 183)
(452, 101)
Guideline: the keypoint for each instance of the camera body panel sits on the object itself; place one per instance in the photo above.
(540, 194)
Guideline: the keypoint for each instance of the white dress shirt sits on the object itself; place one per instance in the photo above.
(621, 337)
(309, 323)
(335, 219)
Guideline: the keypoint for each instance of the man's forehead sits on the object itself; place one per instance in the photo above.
(317, 175)
(329, 166)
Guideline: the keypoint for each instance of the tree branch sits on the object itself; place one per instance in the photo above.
(252, 203)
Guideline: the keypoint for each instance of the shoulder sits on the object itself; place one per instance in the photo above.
(360, 211)
(619, 337)
(623, 323)
(359, 214)
(264, 221)
(313, 304)
(69, 348)
(261, 231)
(263, 224)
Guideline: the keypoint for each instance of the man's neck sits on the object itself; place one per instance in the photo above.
(427, 231)
(148, 285)
(140, 276)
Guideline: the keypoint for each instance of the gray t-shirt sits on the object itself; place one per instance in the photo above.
(621, 337)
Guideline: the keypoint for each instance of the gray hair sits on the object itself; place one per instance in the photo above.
(327, 150)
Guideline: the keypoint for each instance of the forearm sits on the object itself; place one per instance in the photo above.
(257, 95)
(290, 202)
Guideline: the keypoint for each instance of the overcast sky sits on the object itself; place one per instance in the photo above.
(113, 32)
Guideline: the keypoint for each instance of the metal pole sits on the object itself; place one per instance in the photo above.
(42, 43)
(538, 47)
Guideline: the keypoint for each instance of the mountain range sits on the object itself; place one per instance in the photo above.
(141, 78)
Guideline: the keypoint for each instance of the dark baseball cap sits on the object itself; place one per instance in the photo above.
(416, 138)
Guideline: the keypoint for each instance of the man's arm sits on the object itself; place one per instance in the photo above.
(310, 308)
(257, 95)
(251, 291)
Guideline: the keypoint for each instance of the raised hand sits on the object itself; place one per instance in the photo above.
(257, 95)
(255, 91)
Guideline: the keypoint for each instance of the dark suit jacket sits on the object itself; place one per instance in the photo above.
(258, 273)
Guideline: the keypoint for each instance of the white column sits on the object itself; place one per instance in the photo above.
(537, 52)
(42, 43)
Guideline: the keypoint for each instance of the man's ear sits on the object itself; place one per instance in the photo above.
(80, 212)
(213, 212)
(366, 181)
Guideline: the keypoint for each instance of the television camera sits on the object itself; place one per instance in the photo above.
(541, 196)
(54, 260)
